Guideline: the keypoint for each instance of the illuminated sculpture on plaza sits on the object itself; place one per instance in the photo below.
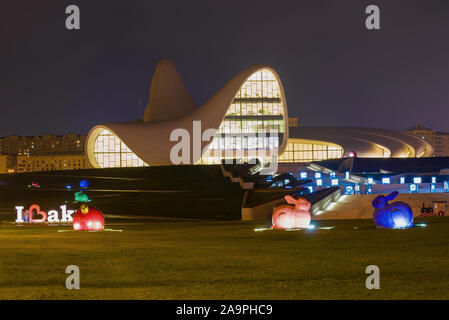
(394, 215)
(292, 217)
(87, 218)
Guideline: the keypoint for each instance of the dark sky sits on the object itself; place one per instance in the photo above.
(335, 72)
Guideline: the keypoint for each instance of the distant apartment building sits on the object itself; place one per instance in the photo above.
(7, 163)
(46, 144)
(438, 140)
(51, 162)
(42, 153)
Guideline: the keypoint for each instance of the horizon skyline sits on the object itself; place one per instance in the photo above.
(86, 133)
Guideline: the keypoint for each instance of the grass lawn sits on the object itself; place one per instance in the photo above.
(225, 260)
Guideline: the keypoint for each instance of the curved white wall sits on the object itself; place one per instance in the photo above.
(148, 142)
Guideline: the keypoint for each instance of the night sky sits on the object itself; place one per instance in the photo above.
(335, 72)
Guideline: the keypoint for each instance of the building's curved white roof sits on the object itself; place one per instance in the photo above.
(150, 139)
(169, 99)
(368, 142)
(171, 107)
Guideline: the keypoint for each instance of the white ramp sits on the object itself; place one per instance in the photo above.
(359, 206)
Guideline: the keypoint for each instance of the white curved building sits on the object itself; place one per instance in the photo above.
(246, 118)
(327, 142)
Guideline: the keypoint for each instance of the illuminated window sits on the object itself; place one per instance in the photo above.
(299, 150)
(111, 152)
(254, 122)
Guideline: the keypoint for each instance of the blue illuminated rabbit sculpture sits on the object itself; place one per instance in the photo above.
(392, 215)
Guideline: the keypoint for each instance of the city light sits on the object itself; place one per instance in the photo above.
(326, 228)
(261, 229)
(401, 222)
(422, 225)
(349, 190)
(386, 180)
(417, 180)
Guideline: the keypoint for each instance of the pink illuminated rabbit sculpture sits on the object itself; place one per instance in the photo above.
(292, 217)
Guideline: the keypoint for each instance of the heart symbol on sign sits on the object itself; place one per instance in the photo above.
(38, 211)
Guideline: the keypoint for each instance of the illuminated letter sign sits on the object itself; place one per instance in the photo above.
(38, 211)
(66, 214)
(34, 211)
(19, 210)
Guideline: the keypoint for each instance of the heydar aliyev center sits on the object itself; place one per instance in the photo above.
(246, 118)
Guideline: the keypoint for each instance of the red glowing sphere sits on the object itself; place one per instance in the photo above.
(92, 220)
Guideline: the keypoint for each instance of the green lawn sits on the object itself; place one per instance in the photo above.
(225, 260)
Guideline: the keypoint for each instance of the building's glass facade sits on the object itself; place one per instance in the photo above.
(298, 150)
(111, 152)
(253, 127)
(254, 123)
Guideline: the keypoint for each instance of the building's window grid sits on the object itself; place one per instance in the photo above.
(111, 152)
(254, 120)
(306, 152)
